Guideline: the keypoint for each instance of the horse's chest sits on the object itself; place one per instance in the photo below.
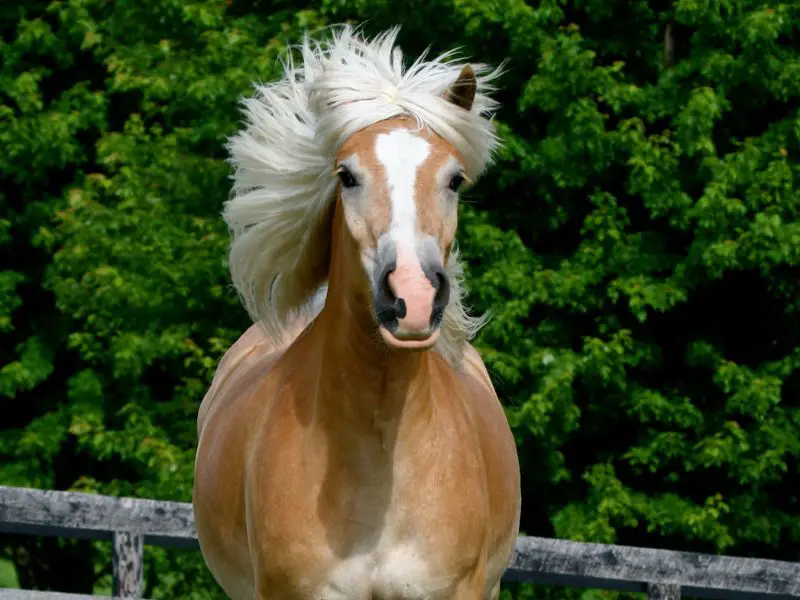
(389, 526)
(390, 572)
(411, 551)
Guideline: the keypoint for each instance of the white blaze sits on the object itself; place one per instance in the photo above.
(401, 153)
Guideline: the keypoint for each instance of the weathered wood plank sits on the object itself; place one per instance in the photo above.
(8, 594)
(561, 562)
(663, 591)
(90, 516)
(627, 568)
(128, 565)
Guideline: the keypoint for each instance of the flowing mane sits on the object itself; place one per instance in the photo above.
(284, 185)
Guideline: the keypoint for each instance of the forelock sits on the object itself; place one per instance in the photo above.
(353, 83)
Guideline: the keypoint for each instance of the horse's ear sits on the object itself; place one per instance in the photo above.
(462, 91)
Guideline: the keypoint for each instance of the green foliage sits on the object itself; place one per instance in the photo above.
(8, 576)
(636, 242)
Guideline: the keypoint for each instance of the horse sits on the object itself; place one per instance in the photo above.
(351, 445)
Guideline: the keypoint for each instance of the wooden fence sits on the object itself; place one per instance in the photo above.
(130, 523)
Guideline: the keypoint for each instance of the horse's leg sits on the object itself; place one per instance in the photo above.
(473, 587)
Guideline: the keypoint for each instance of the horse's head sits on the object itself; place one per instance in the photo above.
(401, 142)
(398, 187)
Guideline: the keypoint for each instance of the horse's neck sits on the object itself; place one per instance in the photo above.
(359, 377)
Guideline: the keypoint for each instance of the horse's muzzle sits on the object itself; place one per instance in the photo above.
(410, 298)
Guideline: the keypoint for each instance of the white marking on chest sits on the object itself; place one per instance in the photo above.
(398, 572)
(401, 153)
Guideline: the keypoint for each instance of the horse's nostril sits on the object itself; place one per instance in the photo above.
(386, 288)
(388, 307)
(442, 295)
(400, 308)
(440, 285)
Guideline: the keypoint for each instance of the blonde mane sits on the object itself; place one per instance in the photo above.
(284, 185)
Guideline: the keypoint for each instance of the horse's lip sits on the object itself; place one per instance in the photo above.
(412, 336)
(410, 340)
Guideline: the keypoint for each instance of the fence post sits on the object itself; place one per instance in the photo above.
(128, 561)
(663, 591)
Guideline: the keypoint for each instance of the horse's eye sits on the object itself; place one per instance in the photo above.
(347, 179)
(456, 182)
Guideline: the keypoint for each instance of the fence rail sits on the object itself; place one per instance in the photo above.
(130, 523)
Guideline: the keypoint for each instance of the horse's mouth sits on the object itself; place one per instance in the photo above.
(410, 340)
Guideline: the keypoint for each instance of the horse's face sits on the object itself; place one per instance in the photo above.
(399, 189)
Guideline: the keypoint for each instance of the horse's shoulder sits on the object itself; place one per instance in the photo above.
(252, 345)
(473, 367)
(484, 403)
